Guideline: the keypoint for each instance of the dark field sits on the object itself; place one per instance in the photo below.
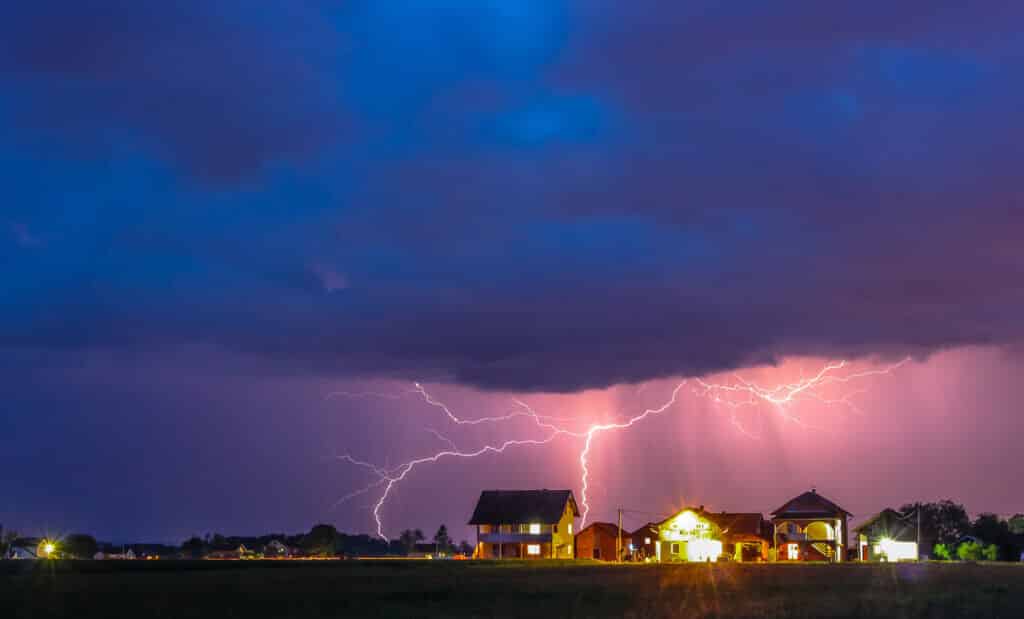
(466, 589)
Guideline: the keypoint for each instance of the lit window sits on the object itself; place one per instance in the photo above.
(533, 549)
(570, 528)
(647, 541)
(792, 552)
(674, 549)
(534, 529)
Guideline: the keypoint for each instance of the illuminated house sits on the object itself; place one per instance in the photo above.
(530, 524)
(810, 528)
(688, 536)
(888, 536)
(598, 541)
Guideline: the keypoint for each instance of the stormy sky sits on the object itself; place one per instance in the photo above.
(217, 214)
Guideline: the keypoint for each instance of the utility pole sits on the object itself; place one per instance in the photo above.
(919, 531)
(618, 540)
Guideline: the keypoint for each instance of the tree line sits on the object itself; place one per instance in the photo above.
(322, 540)
(949, 533)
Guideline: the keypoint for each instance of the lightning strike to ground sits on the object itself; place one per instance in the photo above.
(733, 395)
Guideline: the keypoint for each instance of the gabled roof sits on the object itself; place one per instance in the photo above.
(737, 523)
(522, 506)
(891, 524)
(809, 505)
(605, 528)
(645, 530)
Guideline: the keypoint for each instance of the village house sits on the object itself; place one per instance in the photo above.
(809, 527)
(746, 536)
(533, 524)
(642, 543)
(598, 540)
(887, 536)
(689, 535)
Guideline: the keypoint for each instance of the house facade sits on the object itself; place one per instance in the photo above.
(887, 536)
(689, 535)
(525, 524)
(598, 540)
(809, 527)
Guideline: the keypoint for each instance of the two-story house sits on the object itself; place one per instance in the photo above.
(810, 528)
(528, 524)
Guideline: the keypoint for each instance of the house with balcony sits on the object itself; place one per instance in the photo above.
(524, 524)
(809, 527)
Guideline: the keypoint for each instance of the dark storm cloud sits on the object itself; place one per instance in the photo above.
(528, 195)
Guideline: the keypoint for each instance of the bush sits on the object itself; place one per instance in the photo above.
(941, 551)
(974, 551)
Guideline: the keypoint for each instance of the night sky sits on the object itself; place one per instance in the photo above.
(216, 216)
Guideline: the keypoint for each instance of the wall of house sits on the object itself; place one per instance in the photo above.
(596, 543)
(510, 551)
(562, 536)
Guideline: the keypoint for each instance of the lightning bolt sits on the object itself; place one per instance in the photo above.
(736, 394)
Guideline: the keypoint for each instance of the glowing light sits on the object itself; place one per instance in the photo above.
(48, 548)
(533, 549)
(891, 550)
(534, 529)
(734, 395)
(703, 550)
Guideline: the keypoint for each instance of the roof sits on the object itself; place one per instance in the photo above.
(606, 528)
(521, 506)
(647, 529)
(891, 524)
(809, 505)
(737, 523)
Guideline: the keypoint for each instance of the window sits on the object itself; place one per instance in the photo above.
(792, 552)
(570, 528)
(496, 549)
(485, 528)
(534, 528)
(533, 549)
(554, 528)
(597, 553)
(505, 528)
(674, 548)
(647, 541)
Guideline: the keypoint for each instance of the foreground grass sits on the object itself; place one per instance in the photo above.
(513, 589)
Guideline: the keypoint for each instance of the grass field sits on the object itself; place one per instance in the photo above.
(468, 589)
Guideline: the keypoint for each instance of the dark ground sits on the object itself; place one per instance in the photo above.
(255, 589)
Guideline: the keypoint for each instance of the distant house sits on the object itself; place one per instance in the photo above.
(642, 543)
(241, 552)
(24, 548)
(532, 524)
(887, 536)
(598, 540)
(276, 549)
(689, 535)
(109, 554)
(809, 527)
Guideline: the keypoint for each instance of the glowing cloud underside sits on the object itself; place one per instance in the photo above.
(734, 395)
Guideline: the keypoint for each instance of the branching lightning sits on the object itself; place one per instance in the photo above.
(734, 395)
